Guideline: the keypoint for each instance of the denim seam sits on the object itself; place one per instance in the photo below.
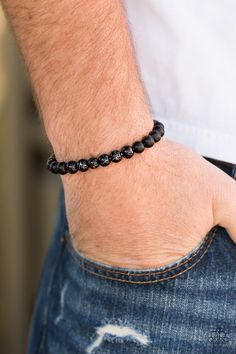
(151, 281)
(207, 240)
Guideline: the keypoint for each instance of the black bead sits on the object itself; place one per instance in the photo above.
(51, 159)
(50, 163)
(103, 160)
(160, 127)
(93, 162)
(138, 147)
(162, 130)
(53, 167)
(62, 168)
(127, 151)
(156, 134)
(115, 156)
(148, 141)
(157, 123)
(83, 165)
(72, 167)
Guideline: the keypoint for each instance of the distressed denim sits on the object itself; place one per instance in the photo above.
(188, 306)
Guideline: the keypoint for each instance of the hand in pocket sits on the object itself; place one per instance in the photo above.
(151, 210)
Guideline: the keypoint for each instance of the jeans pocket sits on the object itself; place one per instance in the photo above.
(147, 275)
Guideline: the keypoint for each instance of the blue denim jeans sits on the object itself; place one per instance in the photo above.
(188, 306)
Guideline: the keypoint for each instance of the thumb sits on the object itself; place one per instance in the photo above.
(225, 204)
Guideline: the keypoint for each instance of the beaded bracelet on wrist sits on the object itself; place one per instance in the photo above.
(126, 151)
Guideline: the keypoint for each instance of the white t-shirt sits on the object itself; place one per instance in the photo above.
(186, 51)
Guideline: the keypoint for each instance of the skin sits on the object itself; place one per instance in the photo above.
(143, 212)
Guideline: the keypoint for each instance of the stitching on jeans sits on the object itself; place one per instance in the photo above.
(206, 239)
(153, 273)
(213, 231)
(151, 281)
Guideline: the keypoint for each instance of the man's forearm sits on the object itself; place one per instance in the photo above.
(83, 71)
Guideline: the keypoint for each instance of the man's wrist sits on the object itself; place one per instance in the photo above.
(98, 137)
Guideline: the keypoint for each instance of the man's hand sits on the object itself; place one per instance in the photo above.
(150, 210)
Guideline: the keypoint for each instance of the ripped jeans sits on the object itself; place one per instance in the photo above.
(188, 306)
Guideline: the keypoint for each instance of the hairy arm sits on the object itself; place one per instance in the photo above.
(83, 71)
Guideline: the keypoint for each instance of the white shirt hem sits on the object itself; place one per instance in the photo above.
(207, 143)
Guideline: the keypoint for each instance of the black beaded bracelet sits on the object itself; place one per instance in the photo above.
(105, 159)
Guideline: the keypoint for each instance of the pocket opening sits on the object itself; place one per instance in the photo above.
(147, 275)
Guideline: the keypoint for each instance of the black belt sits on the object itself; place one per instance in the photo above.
(227, 167)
